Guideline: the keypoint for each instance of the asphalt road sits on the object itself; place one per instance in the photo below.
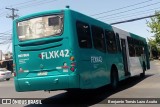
(134, 87)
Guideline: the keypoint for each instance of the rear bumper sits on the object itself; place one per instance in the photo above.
(2, 77)
(5, 77)
(60, 82)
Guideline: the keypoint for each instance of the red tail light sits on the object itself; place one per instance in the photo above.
(2, 74)
(72, 69)
(14, 74)
(73, 64)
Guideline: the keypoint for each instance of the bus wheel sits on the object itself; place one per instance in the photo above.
(142, 75)
(114, 78)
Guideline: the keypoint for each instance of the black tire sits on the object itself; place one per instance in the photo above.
(7, 79)
(114, 78)
(142, 75)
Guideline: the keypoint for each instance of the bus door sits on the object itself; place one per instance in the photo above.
(124, 55)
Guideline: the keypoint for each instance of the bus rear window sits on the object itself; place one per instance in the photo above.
(40, 27)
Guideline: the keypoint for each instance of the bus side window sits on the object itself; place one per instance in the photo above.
(131, 46)
(98, 38)
(111, 41)
(118, 42)
(84, 36)
(139, 48)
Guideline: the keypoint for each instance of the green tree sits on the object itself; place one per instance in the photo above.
(154, 43)
(154, 25)
(153, 48)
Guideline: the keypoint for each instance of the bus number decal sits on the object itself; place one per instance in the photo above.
(67, 53)
(96, 59)
(55, 54)
(62, 53)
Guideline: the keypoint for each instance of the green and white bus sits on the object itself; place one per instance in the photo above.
(64, 49)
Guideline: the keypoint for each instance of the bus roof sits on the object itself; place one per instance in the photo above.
(39, 14)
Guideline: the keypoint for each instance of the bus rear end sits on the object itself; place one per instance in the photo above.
(43, 57)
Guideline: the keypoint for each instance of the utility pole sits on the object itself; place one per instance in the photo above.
(13, 13)
(13, 16)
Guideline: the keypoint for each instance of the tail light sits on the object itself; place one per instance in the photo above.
(73, 64)
(2, 74)
(14, 74)
(72, 69)
(72, 58)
